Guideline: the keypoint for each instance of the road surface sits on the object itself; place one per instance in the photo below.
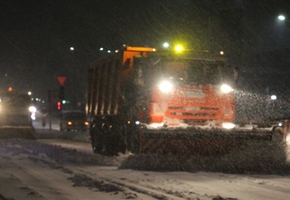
(54, 168)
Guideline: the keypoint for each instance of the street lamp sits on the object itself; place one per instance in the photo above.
(166, 45)
(281, 17)
(273, 97)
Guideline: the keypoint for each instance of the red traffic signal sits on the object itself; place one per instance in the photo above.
(58, 105)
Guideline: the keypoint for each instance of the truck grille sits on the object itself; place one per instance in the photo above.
(193, 115)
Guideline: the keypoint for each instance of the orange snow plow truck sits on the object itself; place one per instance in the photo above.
(147, 101)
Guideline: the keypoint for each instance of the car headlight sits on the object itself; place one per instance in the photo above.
(165, 86)
(226, 88)
(32, 109)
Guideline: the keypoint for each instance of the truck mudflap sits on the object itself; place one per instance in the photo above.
(23, 132)
(196, 141)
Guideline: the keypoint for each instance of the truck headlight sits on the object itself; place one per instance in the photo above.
(226, 88)
(165, 86)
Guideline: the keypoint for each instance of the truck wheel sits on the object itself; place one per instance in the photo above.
(97, 145)
(122, 139)
(132, 140)
(110, 144)
(114, 141)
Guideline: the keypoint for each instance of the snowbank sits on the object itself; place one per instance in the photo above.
(25, 132)
(54, 134)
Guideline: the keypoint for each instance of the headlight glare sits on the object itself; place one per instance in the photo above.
(165, 86)
(32, 109)
(288, 139)
(226, 88)
(228, 125)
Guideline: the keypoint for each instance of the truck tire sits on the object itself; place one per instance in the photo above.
(114, 143)
(113, 136)
(95, 145)
(98, 145)
(96, 133)
(132, 139)
(97, 139)
(108, 137)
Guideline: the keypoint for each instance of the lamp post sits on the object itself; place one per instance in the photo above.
(273, 97)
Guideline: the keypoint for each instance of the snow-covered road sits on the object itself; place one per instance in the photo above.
(61, 169)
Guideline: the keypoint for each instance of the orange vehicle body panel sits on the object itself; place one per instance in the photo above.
(193, 103)
(130, 52)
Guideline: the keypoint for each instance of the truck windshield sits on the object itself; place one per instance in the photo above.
(194, 71)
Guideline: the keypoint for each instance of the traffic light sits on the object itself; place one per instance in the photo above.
(58, 105)
(61, 94)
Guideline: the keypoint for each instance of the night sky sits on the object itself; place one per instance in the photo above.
(36, 36)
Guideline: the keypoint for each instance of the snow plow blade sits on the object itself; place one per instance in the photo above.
(23, 132)
(196, 141)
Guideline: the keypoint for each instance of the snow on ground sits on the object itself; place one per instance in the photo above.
(53, 168)
(254, 157)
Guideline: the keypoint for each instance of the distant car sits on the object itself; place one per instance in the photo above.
(74, 121)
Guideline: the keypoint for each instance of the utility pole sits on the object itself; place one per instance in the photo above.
(49, 109)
